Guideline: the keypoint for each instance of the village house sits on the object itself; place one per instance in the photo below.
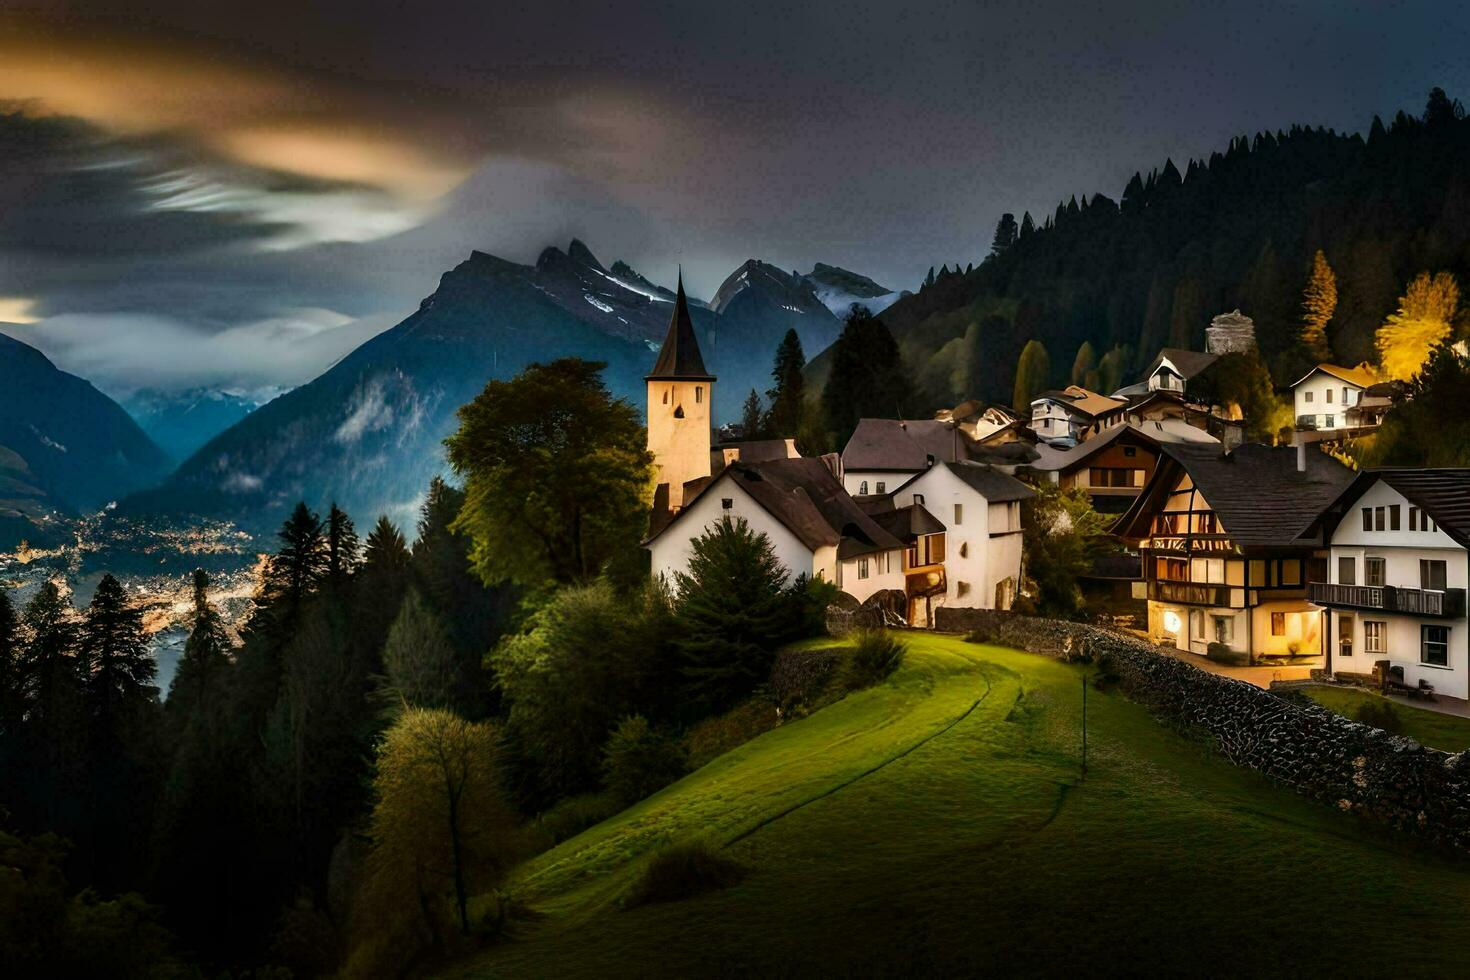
(1229, 549)
(1397, 574)
(1062, 417)
(1325, 396)
(884, 453)
(977, 419)
(1113, 466)
(1171, 371)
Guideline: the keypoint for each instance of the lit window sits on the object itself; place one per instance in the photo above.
(1374, 636)
(698, 394)
(1278, 624)
(1291, 572)
(1434, 645)
(1345, 635)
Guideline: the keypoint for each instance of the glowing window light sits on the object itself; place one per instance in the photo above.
(1172, 622)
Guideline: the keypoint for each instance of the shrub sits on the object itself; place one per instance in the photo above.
(683, 871)
(1222, 654)
(800, 676)
(715, 736)
(876, 655)
(638, 761)
(572, 816)
(1380, 714)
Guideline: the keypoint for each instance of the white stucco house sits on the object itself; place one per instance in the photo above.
(1398, 572)
(1326, 395)
(1065, 417)
(884, 453)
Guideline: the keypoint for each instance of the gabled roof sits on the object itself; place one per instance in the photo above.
(1443, 493)
(1078, 399)
(1187, 363)
(679, 358)
(1361, 376)
(1257, 494)
(996, 487)
(1051, 458)
(907, 523)
(804, 496)
(903, 445)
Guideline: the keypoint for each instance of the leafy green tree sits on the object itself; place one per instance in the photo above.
(441, 831)
(1005, 234)
(1319, 302)
(1430, 427)
(752, 417)
(1033, 373)
(639, 760)
(1061, 537)
(867, 379)
(422, 665)
(556, 475)
(733, 610)
(1241, 382)
(788, 397)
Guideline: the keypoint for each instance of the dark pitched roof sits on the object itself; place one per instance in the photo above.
(679, 358)
(1442, 493)
(755, 450)
(1256, 491)
(907, 523)
(903, 445)
(1188, 362)
(995, 486)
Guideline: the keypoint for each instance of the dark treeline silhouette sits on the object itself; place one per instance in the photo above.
(1239, 229)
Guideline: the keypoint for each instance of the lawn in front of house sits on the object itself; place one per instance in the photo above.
(1435, 729)
(937, 824)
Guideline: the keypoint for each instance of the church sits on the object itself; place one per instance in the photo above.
(949, 536)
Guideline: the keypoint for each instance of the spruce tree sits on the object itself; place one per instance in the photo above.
(1005, 234)
(788, 397)
(378, 593)
(343, 549)
(752, 419)
(11, 703)
(868, 378)
(206, 655)
(299, 563)
(1319, 302)
(115, 648)
(1027, 226)
(733, 612)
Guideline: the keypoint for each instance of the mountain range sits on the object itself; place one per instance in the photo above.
(65, 447)
(368, 432)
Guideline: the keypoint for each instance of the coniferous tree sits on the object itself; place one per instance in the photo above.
(788, 397)
(298, 565)
(1028, 227)
(867, 379)
(51, 679)
(206, 655)
(1005, 234)
(752, 418)
(115, 649)
(1319, 302)
(11, 701)
(1033, 373)
(343, 548)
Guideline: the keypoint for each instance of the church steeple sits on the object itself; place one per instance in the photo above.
(680, 396)
(679, 358)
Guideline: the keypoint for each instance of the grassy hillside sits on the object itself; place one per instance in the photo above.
(937, 824)
(1432, 728)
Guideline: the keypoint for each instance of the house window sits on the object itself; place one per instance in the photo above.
(936, 549)
(1344, 635)
(1434, 648)
(1224, 629)
(666, 397)
(959, 514)
(1345, 398)
(1367, 518)
(1431, 575)
(1378, 522)
(1309, 398)
(1413, 518)
(1393, 517)
(1375, 636)
(962, 588)
(1196, 624)
(1347, 573)
(698, 394)
(1258, 573)
(884, 562)
(863, 489)
(919, 499)
(1291, 572)
(862, 568)
(1130, 451)
(727, 502)
(1329, 396)
(1329, 421)
(1278, 624)
(1374, 571)
(880, 486)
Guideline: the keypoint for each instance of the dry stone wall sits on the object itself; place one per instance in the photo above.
(1389, 779)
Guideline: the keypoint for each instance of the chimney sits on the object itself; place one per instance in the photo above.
(1301, 453)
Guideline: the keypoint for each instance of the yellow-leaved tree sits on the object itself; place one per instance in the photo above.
(1319, 302)
(1423, 321)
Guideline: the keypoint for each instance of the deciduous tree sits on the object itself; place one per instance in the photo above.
(1424, 319)
(1033, 373)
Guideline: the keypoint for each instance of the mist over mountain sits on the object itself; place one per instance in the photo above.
(181, 422)
(65, 447)
(368, 432)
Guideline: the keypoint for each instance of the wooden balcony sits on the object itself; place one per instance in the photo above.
(1189, 593)
(1448, 604)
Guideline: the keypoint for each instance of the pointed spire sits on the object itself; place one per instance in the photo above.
(679, 359)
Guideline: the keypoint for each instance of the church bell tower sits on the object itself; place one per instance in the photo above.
(680, 393)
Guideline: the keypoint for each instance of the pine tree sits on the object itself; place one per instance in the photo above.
(1027, 226)
(206, 656)
(868, 378)
(11, 703)
(300, 562)
(378, 591)
(1319, 302)
(423, 668)
(115, 649)
(1033, 372)
(343, 549)
(1084, 364)
(733, 612)
(929, 279)
(1005, 234)
(752, 418)
(788, 397)
(1424, 320)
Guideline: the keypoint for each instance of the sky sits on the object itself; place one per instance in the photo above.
(233, 194)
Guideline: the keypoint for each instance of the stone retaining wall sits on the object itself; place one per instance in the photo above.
(1389, 779)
